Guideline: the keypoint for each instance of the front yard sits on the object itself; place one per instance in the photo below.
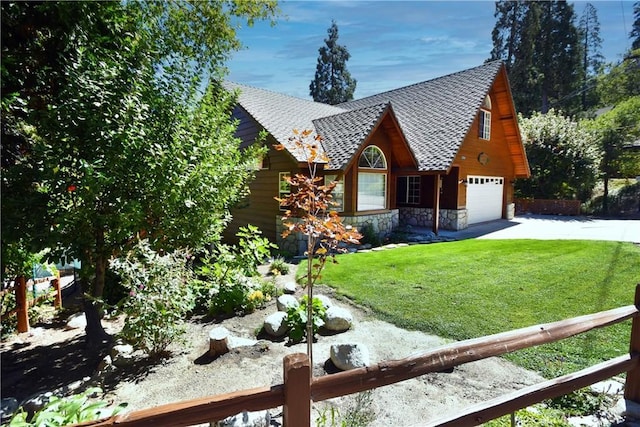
(472, 288)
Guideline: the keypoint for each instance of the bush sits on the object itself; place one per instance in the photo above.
(297, 318)
(279, 267)
(74, 409)
(369, 235)
(159, 296)
(243, 296)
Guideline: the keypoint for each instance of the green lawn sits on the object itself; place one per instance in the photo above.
(472, 288)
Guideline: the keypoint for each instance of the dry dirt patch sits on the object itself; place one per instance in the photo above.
(54, 357)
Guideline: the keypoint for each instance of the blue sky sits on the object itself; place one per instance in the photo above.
(392, 43)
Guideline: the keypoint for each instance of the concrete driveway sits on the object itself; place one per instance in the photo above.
(551, 227)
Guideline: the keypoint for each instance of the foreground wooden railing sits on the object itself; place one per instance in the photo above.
(297, 392)
(23, 303)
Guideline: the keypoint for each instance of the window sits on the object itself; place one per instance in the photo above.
(484, 127)
(284, 188)
(372, 184)
(409, 190)
(372, 158)
(337, 193)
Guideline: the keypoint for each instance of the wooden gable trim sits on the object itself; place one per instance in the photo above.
(509, 122)
(394, 127)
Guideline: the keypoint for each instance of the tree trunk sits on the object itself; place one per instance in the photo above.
(92, 309)
(605, 196)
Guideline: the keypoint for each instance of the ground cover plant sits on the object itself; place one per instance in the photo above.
(471, 288)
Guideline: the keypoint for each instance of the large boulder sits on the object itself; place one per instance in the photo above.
(349, 356)
(285, 301)
(76, 321)
(326, 302)
(276, 324)
(290, 287)
(337, 319)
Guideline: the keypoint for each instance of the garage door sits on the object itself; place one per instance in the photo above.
(484, 198)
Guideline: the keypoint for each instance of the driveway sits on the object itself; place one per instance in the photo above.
(551, 227)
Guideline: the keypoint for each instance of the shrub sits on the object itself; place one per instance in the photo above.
(369, 235)
(297, 319)
(74, 409)
(243, 296)
(279, 266)
(359, 414)
(159, 296)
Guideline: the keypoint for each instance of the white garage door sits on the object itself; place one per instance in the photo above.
(484, 198)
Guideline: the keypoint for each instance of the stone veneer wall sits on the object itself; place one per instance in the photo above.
(382, 223)
(511, 210)
(450, 219)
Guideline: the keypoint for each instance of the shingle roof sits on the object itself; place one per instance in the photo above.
(343, 134)
(434, 116)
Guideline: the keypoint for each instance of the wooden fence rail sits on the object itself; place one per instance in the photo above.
(23, 303)
(298, 391)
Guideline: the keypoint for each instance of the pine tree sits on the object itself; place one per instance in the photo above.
(506, 33)
(333, 83)
(635, 31)
(592, 59)
(540, 44)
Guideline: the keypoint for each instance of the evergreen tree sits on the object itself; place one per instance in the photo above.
(507, 31)
(592, 59)
(333, 83)
(635, 31)
(540, 44)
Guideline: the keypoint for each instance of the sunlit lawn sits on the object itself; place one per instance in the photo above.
(471, 288)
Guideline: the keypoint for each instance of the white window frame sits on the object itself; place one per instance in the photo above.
(484, 120)
(411, 195)
(372, 162)
(337, 195)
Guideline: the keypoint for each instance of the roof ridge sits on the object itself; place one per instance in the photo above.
(465, 71)
(280, 94)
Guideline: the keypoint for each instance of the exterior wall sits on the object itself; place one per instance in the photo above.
(260, 208)
(488, 157)
(450, 219)
(382, 223)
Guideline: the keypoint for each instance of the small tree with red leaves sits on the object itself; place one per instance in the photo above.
(308, 212)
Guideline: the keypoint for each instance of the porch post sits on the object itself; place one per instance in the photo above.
(436, 204)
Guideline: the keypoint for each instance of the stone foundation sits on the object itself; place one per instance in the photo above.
(382, 224)
(450, 219)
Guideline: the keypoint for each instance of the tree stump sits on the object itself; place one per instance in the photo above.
(218, 341)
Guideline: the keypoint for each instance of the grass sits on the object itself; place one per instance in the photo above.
(471, 288)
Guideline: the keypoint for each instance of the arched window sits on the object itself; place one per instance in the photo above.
(372, 179)
(372, 158)
(484, 119)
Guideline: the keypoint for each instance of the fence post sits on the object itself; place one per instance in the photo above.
(22, 304)
(57, 303)
(297, 390)
(632, 385)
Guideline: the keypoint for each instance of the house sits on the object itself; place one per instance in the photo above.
(443, 153)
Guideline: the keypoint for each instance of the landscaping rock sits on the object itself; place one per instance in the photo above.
(349, 356)
(276, 324)
(326, 302)
(76, 321)
(122, 355)
(36, 402)
(247, 419)
(285, 301)
(290, 287)
(338, 319)
(612, 387)
(236, 342)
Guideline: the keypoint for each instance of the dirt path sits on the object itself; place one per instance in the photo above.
(53, 357)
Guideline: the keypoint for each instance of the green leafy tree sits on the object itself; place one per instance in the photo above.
(635, 31)
(615, 131)
(134, 139)
(333, 83)
(622, 80)
(592, 59)
(562, 157)
(309, 213)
